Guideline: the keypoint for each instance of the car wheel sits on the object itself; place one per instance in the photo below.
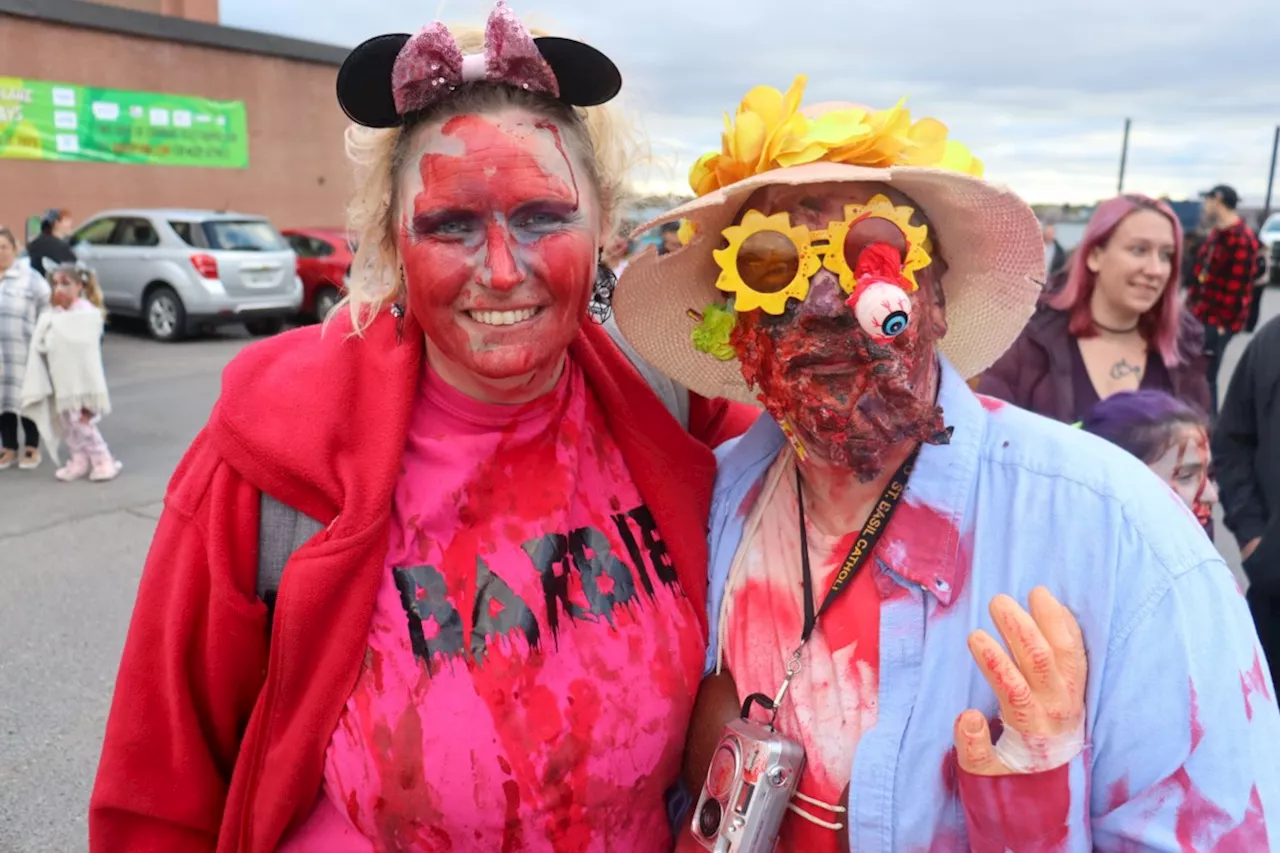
(165, 316)
(327, 299)
(264, 327)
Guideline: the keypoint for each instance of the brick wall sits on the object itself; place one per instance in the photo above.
(192, 10)
(297, 172)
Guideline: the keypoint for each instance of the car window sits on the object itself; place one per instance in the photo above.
(135, 232)
(296, 243)
(96, 233)
(321, 248)
(187, 231)
(247, 236)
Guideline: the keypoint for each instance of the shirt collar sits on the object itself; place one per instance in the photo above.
(923, 545)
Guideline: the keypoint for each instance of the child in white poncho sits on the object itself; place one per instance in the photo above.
(65, 388)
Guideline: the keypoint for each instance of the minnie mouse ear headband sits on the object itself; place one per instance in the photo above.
(391, 76)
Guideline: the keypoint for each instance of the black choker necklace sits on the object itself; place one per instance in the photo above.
(1132, 328)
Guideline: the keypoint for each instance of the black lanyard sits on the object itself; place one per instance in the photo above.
(862, 546)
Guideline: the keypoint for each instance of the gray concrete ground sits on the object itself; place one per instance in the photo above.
(70, 557)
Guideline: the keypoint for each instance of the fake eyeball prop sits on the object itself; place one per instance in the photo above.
(883, 310)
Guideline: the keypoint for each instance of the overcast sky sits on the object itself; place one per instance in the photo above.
(1038, 89)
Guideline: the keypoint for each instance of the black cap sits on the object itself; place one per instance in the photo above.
(1225, 194)
(586, 77)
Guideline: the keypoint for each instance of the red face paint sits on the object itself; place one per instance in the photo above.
(499, 252)
(851, 396)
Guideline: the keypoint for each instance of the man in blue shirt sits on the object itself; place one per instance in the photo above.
(881, 526)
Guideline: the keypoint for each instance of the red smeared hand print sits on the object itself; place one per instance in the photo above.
(1200, 825)
(991, 404)
(1254, 681)
(1027, 813)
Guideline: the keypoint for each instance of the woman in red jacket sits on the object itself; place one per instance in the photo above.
(1117, 324)
(496, 640)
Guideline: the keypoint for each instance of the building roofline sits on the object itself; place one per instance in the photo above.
(113, 19)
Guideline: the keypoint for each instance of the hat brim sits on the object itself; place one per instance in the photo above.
(989, 237)
(586, 77)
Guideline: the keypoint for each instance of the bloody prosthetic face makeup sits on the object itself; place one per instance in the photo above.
(851, 395)
(1185, 467)
(498, 239)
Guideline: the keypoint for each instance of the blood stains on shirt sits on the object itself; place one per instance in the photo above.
(833, 700)
(532, 661)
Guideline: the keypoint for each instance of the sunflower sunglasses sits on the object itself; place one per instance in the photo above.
(874, 250)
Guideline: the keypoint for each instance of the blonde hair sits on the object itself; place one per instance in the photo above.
(596, 135)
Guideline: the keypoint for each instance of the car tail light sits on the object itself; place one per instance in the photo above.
(206, 265)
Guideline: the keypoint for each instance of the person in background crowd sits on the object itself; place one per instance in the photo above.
(495, 640)
(65, 391)
(670, 236)
(24, 296)
(1116, 325)
(618, 254)
(851, 298)
(1055, 257)
(51, 246)
(1169, 436)
(1221, 290)
(1246, 449)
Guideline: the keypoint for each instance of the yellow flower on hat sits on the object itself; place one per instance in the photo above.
(686, 232)
(769, 132)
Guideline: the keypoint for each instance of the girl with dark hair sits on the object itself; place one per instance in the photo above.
(1118, 323)
(1166, 434)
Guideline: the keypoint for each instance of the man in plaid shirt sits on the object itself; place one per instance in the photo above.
(1222, 289)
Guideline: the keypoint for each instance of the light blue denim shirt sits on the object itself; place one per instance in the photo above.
(1183, 733)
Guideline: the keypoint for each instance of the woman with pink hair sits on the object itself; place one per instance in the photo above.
(1118, 323)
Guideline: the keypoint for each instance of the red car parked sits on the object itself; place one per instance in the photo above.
(324, 262)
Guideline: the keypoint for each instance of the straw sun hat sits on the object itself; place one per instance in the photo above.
(988, 236)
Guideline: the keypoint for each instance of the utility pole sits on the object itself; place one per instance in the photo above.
(1271, 175)
(1124, 156)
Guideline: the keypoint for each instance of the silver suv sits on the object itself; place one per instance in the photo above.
(181, 270)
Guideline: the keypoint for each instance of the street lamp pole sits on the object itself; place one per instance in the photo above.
(1124, 156)
(1271, 175)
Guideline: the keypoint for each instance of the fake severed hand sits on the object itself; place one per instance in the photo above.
(1040, 689)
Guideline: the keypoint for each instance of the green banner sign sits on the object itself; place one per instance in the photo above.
(57, 121)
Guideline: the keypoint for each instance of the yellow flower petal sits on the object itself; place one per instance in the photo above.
(748, 138)
(838, 127)
(765, 102)
(791, 101)
(702, 175)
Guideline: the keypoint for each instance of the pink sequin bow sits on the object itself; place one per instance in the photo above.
(431, 65)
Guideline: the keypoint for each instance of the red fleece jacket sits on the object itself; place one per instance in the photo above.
(216, 739)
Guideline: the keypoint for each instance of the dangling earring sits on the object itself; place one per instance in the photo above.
(397, 309)
(601, 306)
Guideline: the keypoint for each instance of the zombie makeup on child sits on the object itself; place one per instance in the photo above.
(1184, 465)
(65, 288)
(853, 381)
(498, 239)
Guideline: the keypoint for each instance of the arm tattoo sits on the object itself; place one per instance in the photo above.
(1123, 368)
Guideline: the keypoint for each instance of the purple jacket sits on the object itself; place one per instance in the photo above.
(1035, 373)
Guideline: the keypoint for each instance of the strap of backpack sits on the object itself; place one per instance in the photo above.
(281, 531)
(674, 397)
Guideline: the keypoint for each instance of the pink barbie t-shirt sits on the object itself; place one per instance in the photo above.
(532, 660)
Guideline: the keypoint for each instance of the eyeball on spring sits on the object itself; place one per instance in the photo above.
(883, 309)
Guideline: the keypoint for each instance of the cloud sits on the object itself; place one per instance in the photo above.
(1039, 90)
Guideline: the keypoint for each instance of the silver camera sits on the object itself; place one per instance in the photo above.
(753, 775)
